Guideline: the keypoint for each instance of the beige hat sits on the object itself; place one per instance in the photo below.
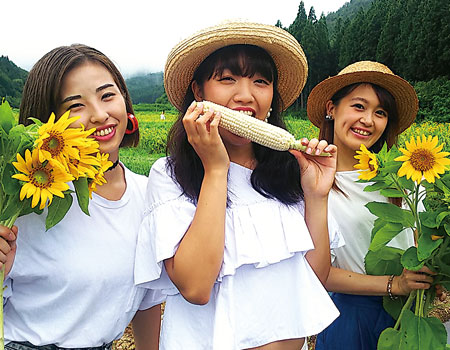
(284, 49)
(365, 72)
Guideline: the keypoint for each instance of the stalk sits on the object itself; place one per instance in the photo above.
(407, 305)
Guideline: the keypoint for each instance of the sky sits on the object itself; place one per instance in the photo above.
(136, 34)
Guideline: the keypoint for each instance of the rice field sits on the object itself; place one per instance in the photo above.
(154, 133)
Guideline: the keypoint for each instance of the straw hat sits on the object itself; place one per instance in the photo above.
(368, 72)
(284, 49)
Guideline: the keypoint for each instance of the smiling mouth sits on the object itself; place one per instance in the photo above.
(103, 132)
(361, 132)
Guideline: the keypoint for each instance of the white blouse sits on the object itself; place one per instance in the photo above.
(265, 290)
(356, 222)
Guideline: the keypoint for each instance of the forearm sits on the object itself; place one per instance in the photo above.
(316, 219)
(146, 327)
(197, 262)
(348, 282)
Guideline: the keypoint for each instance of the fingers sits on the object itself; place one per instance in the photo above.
(315, 147)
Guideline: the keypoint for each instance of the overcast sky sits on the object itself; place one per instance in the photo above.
(136, 34)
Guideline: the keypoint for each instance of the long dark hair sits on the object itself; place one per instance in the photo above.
(41, 93)
(277, 174)
(387, 102)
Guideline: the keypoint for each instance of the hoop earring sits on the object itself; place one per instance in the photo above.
(268, 115)
(132, 124)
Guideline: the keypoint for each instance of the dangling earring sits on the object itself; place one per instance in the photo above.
(132, 124)
(268, 115)
(328, 117)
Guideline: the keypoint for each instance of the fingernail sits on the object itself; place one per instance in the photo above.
(200, 105)
(327, 149)
(309, 150)
(318, 151)
(193, 104)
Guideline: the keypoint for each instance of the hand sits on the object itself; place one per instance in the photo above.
(203, 134)
(317, 173)
(412, 280)
(7, 247)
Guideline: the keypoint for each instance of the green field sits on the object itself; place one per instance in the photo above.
(154, 132)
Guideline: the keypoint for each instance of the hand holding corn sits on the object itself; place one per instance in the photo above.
(256, 130)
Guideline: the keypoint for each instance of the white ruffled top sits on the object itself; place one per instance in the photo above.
(265, 290)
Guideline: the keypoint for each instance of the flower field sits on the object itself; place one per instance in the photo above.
(154, 132)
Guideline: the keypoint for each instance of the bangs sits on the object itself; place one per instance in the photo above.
(241, 60)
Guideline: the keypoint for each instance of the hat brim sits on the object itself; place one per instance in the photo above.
(284, 49)
(403, 93)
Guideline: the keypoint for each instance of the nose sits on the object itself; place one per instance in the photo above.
(244, 92)
(367, 118)
(98, 114)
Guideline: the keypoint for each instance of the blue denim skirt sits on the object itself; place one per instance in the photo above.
(359, 325)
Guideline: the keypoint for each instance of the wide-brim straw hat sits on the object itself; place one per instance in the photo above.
(284, 49)
(365, 72)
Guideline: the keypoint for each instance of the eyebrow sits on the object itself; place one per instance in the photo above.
(359, 99)
(76, 97)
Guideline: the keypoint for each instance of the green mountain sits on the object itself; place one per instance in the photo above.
(145, 88)
(347, 11)
(12, 79)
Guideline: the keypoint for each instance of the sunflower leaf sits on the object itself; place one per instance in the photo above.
(10, 186)
(391, 213)
(384, 235)
(82, 191)
(6, 116)
(410, 261)
(386, 261)
(57, 210)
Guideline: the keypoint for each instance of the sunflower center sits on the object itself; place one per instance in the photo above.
(41, 177)
(422, 159)
(54, 144)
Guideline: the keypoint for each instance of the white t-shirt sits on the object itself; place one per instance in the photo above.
(73, 285)
(265, 291)
(356, 222)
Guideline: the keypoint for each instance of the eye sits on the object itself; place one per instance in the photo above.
(107, 95)
(358, 106)
(74, 106)
(225, 78)
(381, 113)
(262, 81)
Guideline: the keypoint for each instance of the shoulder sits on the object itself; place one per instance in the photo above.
(136, 179)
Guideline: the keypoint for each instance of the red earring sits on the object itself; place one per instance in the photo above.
(132, 124)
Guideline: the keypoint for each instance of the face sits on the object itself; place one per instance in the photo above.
(358, 119)
(249, 95)
(89, 91)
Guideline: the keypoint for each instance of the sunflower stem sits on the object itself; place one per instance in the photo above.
(407, 305)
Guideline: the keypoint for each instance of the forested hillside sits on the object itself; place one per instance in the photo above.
(146, 88)
(12, 79)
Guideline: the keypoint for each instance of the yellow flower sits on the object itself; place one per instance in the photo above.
(423, 159)
(58, 142)
(87, 164)
(42, 181)
(99, 178)
(368, 163)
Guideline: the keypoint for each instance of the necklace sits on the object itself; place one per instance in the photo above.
(113, 166)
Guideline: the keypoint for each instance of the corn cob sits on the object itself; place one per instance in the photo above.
(256, 130)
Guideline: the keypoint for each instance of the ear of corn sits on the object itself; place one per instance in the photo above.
(256, 130)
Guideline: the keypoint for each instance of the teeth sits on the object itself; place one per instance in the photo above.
(247, 113)
(361, 132)
(103, 132)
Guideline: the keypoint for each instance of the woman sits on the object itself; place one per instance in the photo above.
(72, 286)
(233, 224)
(364, 104)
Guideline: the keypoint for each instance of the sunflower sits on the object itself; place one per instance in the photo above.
(99, 178)
(59, 142)
(368, 163)
(42, 181)
(423, 159)
(87, 164)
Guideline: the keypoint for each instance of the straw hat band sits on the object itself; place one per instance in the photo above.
(365, 72)
(287, 54)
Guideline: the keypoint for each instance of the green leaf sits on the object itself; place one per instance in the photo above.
(376, 186)
(392, 192)
(384, 235)
(406, 184)
(82, 191)
(420, 333)
(390, 212)
(6, 116)
(10, 186)
(428, 218)
(410, 261)
(426, 245)
(394, 307)
(36, 121)
(443, 264)
(385, 261)
(441, 217)
(389, 339)
(447, 228)
(57, 210)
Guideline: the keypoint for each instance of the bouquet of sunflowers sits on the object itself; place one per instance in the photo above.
(36, 164)
(418, 175)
